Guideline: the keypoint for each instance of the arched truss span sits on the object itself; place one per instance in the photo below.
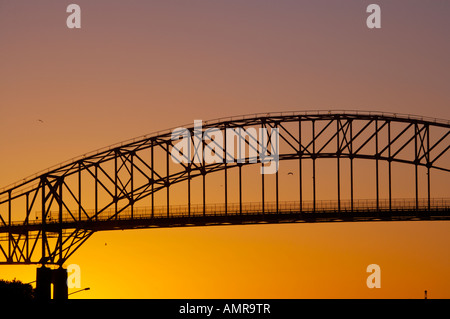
(59, 209)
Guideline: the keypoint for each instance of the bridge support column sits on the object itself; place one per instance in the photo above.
(45, 277)
(59, 279)
(43, 283)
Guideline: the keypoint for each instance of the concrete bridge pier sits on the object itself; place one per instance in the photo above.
(45, 277)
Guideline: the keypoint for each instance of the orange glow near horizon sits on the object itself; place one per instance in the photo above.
(263, 261)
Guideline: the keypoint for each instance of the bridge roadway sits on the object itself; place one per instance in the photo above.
(248, 213)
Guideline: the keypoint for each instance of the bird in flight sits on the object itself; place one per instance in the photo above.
(40, 121)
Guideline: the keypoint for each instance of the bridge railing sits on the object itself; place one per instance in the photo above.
(249, 208)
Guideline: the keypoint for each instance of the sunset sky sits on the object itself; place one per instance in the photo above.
(136, 67)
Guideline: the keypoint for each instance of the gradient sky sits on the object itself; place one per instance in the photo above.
(136, 67)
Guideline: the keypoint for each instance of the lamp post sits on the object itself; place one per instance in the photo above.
(79, 291)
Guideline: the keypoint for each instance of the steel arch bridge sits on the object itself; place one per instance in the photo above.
(46, 217)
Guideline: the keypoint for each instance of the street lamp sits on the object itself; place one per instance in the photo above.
(79, 291)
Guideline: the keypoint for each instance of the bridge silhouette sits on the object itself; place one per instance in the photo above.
(46, 217)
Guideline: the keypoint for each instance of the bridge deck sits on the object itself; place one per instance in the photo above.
(143, 218)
